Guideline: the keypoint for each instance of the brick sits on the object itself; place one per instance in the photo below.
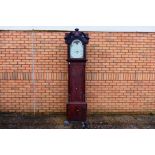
(119, 72)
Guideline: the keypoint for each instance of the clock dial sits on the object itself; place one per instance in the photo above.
(76, 49)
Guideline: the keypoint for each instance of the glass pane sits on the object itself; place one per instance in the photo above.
(76, 49)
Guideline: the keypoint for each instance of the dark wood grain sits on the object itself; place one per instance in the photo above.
(76, 81)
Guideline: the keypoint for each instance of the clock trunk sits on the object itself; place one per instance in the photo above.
(76, 84)
(76, 108)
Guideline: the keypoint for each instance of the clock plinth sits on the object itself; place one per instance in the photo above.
(76, 106)
(76, 111)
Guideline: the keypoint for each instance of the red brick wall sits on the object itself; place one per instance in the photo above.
(120, 72)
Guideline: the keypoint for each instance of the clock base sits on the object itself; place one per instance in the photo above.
(77, 111)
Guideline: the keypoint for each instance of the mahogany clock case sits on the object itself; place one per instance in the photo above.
(76, 106)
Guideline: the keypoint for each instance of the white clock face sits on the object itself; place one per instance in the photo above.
(76, 49)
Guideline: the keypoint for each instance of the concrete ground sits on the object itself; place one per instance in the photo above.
(18, 121)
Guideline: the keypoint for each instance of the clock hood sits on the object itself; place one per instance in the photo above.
(69, 37)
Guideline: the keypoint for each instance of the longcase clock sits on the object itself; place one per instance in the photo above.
(76, 106)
